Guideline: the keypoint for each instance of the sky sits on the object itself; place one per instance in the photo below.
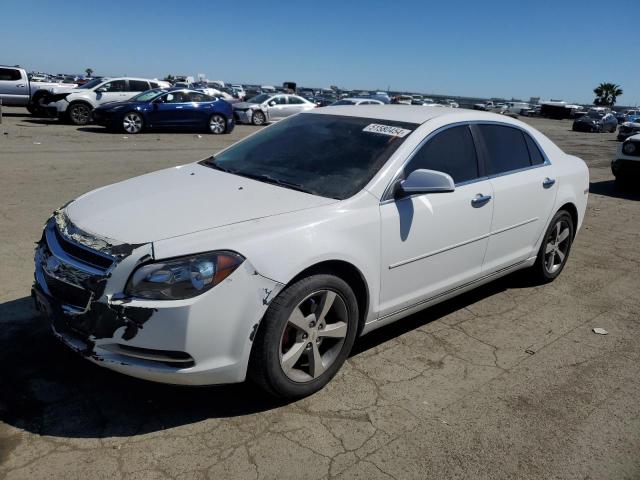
(553, 49)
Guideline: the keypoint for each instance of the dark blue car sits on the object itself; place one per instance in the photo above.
(167, 109)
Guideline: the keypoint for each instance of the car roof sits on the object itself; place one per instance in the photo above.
(410, 113)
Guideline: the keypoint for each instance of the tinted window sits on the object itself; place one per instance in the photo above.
(10, 74)
(138, 86)
(280, 100)
(295, 100)
(506, 148)
(534, 151)
(327, 155)
(116, 86)
(198, 97)
(154, 85)
(451, 151)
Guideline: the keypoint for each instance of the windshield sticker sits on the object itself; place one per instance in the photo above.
(386, 130)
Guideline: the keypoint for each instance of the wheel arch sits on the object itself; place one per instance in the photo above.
(350, 274)
(573, 211)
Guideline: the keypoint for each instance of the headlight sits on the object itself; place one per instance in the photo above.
(629, 148)
(183, 277)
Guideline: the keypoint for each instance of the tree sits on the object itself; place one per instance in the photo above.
(89, 72)
(606, 94)
(169, 78)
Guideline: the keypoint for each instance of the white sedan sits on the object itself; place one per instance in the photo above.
(268, 259)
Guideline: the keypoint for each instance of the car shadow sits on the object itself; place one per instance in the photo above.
(610, 188)
(104, 130)
(47, 389)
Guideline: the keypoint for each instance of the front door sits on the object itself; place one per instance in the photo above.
(277, 107)
(14, 89)
(432, 243)
(114, 91)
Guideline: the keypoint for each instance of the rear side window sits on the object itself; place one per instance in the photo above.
(295, 100)
(10, 74)
(534, 151)
(138, 86)
(506, 149)
(451, 151)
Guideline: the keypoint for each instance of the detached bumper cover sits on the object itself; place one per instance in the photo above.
(199, 341)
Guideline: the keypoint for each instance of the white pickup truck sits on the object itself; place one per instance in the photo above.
(16, 90)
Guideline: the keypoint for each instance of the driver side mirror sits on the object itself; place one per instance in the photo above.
(272, 103)
(101, 90)
(425, 181)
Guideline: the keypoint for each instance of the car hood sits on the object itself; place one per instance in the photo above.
(110, 105)
(181, 200)
(245, 105)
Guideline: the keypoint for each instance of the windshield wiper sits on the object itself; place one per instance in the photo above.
(276, 181)
(211, 162)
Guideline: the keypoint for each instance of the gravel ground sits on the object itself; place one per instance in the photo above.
(507, 381)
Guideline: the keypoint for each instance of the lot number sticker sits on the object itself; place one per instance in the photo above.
(386, 130)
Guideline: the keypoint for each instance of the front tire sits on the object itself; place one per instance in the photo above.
(132, 123)
(258, 118)
(79, 113)
(217, 124)
(305, 336)
(555, 248)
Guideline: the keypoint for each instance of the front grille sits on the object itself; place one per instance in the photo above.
(68, 294)
(83, 254)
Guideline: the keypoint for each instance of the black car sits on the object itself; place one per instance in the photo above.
(595, 121)
(628, 129)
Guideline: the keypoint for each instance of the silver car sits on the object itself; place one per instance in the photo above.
(270, 107)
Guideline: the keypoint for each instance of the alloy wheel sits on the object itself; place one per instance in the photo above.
(557, 246)
(313, 336)
(132, 123)
(80, 114)
(258, 118)
(216, 124)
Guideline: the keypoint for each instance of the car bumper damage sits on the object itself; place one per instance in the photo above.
(79, 283)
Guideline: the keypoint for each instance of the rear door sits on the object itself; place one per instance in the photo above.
(524, 190)
(14, 88)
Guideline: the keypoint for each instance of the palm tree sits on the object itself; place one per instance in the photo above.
(606, 94)
(89, 72)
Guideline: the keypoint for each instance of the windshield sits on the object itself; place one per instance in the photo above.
(327, 155)
(596, 115)
(92, 83)
(344, 102)
(147, 96)
(263, 97)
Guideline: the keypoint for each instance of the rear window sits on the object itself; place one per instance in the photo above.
(506, 148)
(534, 151)
(138, 86)
(326, 155)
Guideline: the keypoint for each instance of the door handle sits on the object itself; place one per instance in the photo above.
(548, 182)
(20, 85)
(480, 200)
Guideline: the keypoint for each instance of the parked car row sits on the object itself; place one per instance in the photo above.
(626, 164)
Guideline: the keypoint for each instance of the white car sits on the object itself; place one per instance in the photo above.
(356, 101)
(268, 259)
(270, 107)
(626, 164)
(76, 105)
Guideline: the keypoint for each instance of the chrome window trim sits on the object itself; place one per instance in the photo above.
(387, 196)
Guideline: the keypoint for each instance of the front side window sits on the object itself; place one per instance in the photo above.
(327, 155)
(10, 74)
(451, 151)
(115, 86)
(279, 100)
(506, 148)
(138, 86)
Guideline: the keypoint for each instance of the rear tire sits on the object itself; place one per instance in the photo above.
(305, 336)
(555, 248)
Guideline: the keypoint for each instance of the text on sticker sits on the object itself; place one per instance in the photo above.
(386, 130)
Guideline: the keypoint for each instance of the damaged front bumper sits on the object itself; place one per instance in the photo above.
(79, 280)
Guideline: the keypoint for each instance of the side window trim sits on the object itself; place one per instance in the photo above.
(481, 155)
